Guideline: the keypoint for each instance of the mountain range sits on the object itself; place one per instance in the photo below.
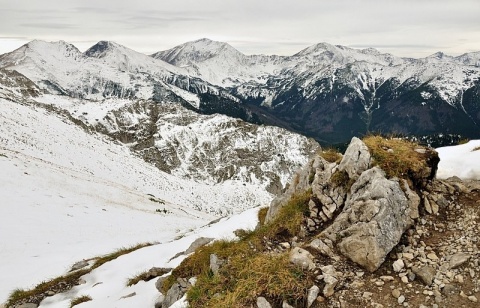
(328, 92)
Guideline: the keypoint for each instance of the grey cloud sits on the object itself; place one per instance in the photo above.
(48, 25)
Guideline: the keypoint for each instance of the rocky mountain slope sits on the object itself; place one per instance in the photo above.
(366, 232)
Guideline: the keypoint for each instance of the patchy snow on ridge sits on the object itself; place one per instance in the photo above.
(460, 160)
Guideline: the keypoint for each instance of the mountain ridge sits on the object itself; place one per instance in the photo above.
(328, 92)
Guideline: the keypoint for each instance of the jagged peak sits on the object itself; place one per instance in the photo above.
(101, 48)
(439, 55)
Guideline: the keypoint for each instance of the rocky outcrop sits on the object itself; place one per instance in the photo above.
(356, 159)
(373, 219)
(354, 208)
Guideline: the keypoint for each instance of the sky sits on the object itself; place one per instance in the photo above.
(408, 28)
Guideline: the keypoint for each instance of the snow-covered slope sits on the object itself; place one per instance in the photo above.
(69, 194)
(460, 160)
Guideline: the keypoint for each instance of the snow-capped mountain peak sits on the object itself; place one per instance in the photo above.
(197, 51)
(100, 49)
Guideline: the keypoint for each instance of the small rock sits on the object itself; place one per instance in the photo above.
(285, 245)
(79, 265)
(323, 248)
(330, 283)
(432, 256)
(407, 256)
(434, 207)
(263, 303)
(174, 294)
(215, 263)
(387, 278)
(425, 273)
(379, 283)
(401, 299)
(472, 298)
(199, 242)
(50, 293)
(428, 208)
(404, 279)
(449, 289)
(396, 293)
(458, 259)
(159, 301)
(129, 295)
(312, 295)
(302, 258)
(398, 265)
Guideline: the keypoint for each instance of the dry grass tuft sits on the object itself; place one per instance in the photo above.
(262, 214)
(79, 300)
(331, 155)
(476, 149)
(397, 157)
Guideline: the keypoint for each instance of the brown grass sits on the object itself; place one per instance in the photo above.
(331, 155)
(476, 149)
(397, 157)
(262, 214)
(249, 271)
(79, 300)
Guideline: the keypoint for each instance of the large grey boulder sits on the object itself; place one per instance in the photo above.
(372, 221)
(356, 159)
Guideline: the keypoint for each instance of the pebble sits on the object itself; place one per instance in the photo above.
(432, 256)
(459, 278)
(387, 278)
(396, 293)
(401, 299)
(472, 298)
(398, 265)
(379, 283)
(405, 279)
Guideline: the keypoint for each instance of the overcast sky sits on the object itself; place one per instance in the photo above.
(414, 28)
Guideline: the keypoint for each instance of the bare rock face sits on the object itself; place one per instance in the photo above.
(356, 158)
(373, 220)
(300, 183)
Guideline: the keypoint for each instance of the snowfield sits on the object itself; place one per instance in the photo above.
(67, 195)
(460, 160)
